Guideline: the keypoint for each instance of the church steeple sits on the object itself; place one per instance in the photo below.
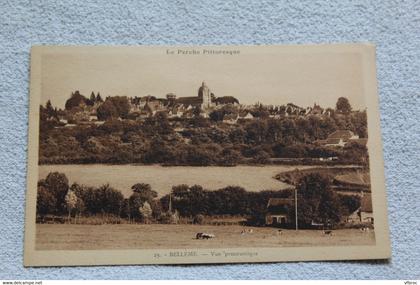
(205, 95)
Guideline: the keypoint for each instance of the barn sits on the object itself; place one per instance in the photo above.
(364, 214)
(278, 211)
(366, 211)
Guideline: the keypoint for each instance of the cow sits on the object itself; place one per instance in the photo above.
(328, 232)
(364, 229)
(204, 236)
(247, 231)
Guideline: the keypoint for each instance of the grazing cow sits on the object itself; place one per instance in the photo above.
(247, 231)
(204, 236)
(328, 232)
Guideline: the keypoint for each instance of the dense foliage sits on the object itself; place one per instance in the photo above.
(196, 141)
(114, 107)
(317, 202)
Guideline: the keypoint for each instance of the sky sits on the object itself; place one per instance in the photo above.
(272, 76)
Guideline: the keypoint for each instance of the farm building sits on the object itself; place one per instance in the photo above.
(278, 211)
(340, 138)
(366, 211)
(363, 215)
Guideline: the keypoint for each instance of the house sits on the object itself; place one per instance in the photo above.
(343, 134)
(278, 211)
(175, 112)
(152, 107)
(315, 111)
(335, 142)
(81, 116)
(363, 215)
(246, 116)
(361, 141)
(292, 109)
(230, 118)
(137, 104)
(366, 211)
(340, 138)
(204, 114)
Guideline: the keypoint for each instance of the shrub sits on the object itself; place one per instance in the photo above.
(199, 219)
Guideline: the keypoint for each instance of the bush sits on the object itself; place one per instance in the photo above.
(261, 157)
(199, 219)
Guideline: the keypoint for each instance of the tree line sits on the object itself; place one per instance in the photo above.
(317, 202)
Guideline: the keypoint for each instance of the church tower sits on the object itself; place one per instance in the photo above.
(205, 95)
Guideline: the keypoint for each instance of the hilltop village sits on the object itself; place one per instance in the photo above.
(200, 130)
(80, 109)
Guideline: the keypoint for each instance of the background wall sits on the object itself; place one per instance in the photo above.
(394, 26)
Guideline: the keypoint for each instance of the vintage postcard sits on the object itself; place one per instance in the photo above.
(206, 154)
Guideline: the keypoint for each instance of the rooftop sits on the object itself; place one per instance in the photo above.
(366, 203)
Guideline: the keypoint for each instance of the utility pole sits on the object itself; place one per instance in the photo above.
(170, 203)
(296, 213)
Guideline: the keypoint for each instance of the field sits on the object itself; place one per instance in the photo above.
(140, 236)
(162, 178)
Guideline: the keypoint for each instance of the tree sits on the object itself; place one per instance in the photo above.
(107, 111)
(77, 100)
(109, 200)
(121, 104)
(135, 202)
(158, 124)
(343, 105)
(359, 123)
(197, 111)
(316, 201)
(126, 210)
(141, 187)
(99, 98)
(256, 131)
(355, 152)
(230, 157)
(199, 219)
(146, 212)
(146, 194)
(71, 202)
(142, 194)
(45, 202)
(58, 185)
(92, 97)
(350, 203)
(261, 157)
(217, 115)
(50, 110)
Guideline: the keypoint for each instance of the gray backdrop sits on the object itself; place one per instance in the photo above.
(394, 26)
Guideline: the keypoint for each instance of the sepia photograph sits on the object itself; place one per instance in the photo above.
(204, 155)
